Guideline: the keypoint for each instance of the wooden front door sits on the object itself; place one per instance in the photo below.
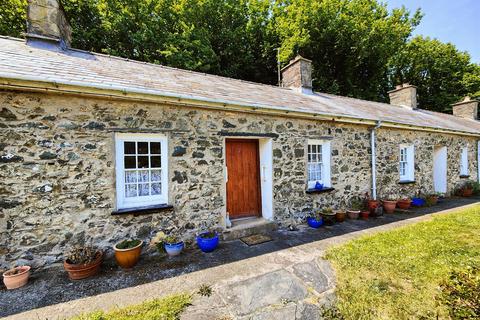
(243, 178)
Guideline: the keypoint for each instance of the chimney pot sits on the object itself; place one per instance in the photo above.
(467, 109)
(297, 75)
(47, 24)
(404, 95)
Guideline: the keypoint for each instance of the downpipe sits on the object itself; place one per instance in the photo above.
(374, 157)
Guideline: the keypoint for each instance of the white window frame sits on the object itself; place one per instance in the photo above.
(325, 169)
(140, 201)
(407, 160)
(464, 161)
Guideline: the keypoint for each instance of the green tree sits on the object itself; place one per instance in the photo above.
(13, 17)
(442, 73)
(349, 41)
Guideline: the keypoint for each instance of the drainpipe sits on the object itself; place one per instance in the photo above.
(374, 162)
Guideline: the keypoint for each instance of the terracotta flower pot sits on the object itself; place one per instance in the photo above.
(404, 204)
(16, 277)
(365, 214)
(128, 258)
(467, 192)
(353, 214)
(372, 205)
(432, 200)
(389, 206)
(340, 216)
(82, 271)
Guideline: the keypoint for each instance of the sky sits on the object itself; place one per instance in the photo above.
(455, 21)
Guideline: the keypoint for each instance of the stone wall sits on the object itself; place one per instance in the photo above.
(58, 177)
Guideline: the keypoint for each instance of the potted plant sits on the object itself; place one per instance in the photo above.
(404, 203)
(340, 215)
(208, 241)
(173, 246)
(328, 216)
(315, 220)
(418, 201)
(389, 204)
(431, 199)
(127, 252)
(16, 277)
(467, 189)
(364, 214)
(82, 262)
(371, 203)
(356, 205)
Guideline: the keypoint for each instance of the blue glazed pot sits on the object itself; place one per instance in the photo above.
(314, 223)
(207, 244)
(173, 249)
(418, 202)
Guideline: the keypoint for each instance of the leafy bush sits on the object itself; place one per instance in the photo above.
(81, 255)
(461, 293)
(128, 244)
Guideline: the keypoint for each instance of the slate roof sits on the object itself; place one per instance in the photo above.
(21, 61)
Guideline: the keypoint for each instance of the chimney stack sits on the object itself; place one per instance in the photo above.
(404, 95)
(467, 109)
(47, 24)
(297, 75)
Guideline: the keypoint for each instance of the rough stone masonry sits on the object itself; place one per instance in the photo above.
(58, 178)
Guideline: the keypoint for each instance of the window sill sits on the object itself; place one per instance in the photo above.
(143, 210)
(464, 176)
(310, 191)
(406, 182)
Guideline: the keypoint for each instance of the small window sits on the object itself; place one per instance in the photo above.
(464, 162)
(318, 163)
(407, 163)
(141, 170)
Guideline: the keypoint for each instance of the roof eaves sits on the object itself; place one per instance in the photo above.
(35, 83)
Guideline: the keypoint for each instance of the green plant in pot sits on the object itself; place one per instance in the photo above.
(127, 252)
(431, 199)
(82, 262)
(328, 216)
(389, 203)
(355, 207)
(404, 203)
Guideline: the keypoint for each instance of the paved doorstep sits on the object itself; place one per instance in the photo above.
(286, 284)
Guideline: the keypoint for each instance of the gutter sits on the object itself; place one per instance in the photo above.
(374, 160)
(44, 85)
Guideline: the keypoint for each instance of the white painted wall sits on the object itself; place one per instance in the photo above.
(266, 176)
(440, 169)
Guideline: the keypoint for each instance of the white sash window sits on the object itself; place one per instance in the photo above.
(464, 162)
(141, 170)
(318, 163)
(407, 163)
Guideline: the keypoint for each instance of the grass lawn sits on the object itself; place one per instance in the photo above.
(168, 308)
(396, 274)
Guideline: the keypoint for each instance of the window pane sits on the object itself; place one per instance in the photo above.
(130, 190)
(130, 176)
(142, 147)
(155, 147)
(130, 162)
(143, 176)
(156, 161)
(156, 175)
(156, 188)
(129, 147)
(143, 162)
(143, 189)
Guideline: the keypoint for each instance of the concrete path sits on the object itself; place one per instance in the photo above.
(289, 283)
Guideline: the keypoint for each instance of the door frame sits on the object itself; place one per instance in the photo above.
(265, 152)
(440, 151)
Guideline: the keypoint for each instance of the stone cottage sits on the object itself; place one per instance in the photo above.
(96, 148)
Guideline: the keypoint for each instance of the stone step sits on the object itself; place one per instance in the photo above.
(247, 227)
